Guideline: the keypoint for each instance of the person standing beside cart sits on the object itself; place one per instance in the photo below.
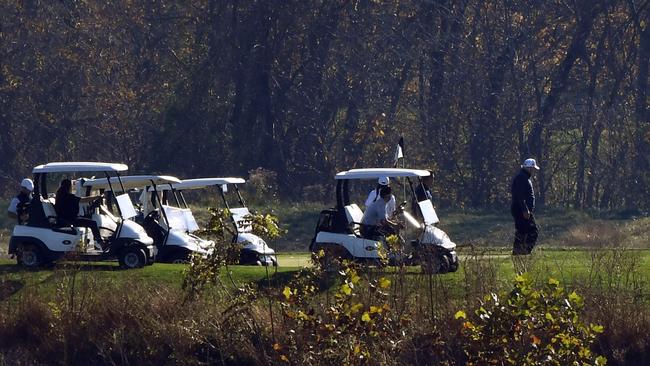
(19, 205)
(523, 205)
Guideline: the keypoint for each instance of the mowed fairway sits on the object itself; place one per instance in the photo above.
(294, 259)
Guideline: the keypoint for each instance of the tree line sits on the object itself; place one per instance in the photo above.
(304, 89)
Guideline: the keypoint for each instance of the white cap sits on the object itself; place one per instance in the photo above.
(383, 181)
(530, 163)
(27, 183)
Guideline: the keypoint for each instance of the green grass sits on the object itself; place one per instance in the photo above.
(598, 266)
(567, 240)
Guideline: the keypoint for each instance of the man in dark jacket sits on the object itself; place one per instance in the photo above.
(523, 205)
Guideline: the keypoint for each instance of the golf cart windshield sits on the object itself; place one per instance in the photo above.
(180, 218)
(428, 213)
(126, 206)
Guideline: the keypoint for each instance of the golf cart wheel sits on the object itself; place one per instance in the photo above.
(30, 256)
(435, 264)
(179, 258)
(132, 257)
(453, 265)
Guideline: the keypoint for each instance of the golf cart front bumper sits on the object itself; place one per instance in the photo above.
(152, 252)
(250, 257)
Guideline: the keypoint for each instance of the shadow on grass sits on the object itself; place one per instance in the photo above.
(76, 266)
(10, 287)
(277, 279)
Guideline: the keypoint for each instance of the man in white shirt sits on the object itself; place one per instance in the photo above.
(377, 216)
(373, 196)
(18, 207)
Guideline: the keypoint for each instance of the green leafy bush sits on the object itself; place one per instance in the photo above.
(530, 326)
(204, 271)
(357, 326)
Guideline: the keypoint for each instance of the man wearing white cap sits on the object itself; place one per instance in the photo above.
(374, 195)
(523, 205)
(18, 207)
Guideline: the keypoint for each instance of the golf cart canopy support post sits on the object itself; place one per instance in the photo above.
(40, 175)
(41, 171)
(342, 191)
(200, 183)
(134, 181)
(376, 173)
(75, 167)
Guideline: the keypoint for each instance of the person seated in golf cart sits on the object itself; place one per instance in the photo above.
(377, 220)
(373, 196)
(67, 209)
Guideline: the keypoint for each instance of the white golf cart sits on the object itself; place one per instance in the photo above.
(338, 232)
(255, 251)
(47, 238)
(170, 227)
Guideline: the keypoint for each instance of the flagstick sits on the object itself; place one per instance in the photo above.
(404, 179)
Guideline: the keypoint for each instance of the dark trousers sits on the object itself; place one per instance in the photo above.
(369, 231)
(91, 224)
(525, 234)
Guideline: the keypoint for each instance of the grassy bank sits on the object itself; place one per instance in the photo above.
(95, 313)
(104, 315)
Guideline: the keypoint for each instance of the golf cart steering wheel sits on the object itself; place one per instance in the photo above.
(93, 205)
(152, 216)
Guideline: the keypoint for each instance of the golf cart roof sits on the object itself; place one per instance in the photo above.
(375, 173)
(131, 181)
(199, 183)
(65, 167)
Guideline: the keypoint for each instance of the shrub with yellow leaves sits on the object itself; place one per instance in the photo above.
(355, 325)
(530, 326)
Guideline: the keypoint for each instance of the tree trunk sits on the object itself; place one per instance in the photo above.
(641, 191)
(483, 128)
(594, 70)
(559, 84)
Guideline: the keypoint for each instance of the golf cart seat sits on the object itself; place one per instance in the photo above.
(354, 215)
(55, 222)
(48, 209)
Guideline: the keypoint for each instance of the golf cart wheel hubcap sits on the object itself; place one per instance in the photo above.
(29, 257)
(131, 259)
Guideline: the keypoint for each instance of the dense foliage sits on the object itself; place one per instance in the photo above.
(353, 317)
(531, 326)
(305, 88)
